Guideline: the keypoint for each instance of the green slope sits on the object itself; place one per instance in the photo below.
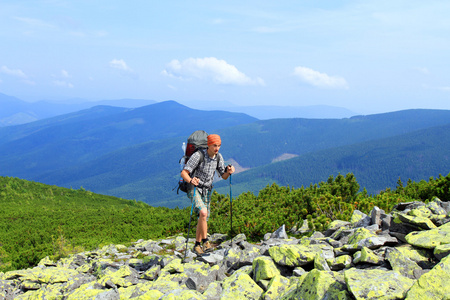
(37, 220)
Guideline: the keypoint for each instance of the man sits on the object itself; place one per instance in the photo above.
(200, 174)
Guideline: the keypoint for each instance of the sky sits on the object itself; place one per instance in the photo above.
(368, 56)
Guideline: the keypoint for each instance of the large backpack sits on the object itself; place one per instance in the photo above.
(196, 141)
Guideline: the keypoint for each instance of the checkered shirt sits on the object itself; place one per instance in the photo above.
(205, 171)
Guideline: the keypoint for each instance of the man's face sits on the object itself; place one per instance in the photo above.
(214, 148)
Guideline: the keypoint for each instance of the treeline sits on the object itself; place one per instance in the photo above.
(38, 220)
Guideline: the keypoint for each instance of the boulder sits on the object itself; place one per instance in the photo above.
(430, 238)
(433, 284)
(377, 284)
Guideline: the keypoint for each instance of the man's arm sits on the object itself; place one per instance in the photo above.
(187, 177)
(228, 171)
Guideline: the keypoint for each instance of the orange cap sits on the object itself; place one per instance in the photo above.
(214, 139)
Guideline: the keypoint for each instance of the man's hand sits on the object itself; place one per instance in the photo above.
(230, 169)
(195, 181)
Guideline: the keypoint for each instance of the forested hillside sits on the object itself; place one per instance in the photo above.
(134, 153)
(28, 151)
(377, 164)
(142, 172)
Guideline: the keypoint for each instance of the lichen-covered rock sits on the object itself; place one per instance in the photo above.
(366, 256)
(277, 285)
(441, 251)
(240, 286)
(150, 295)
(363, 237)
(318, 285)
(163, 284)
(418, 255)
(360, 219)
(430, 238)
(152, 273)
(422, 211)
(92, 291)
(435, 207)
(340, 262)
(359, 235)
(377, 284)
(6, 290)
(320, 262)
(401, 263)
(180, 294)
(295, 255)
(46, 261)
(264, 268)
(418, 222)
(124, 277)
(50, 292)
(433, 284)
(201, 277)
(213, 291)
(236, 257)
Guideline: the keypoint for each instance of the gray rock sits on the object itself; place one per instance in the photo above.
(280, 233)
(385, 264)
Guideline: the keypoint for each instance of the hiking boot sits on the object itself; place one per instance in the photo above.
(207, 247)
(198, 250)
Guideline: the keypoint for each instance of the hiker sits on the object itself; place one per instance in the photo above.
(201, 182)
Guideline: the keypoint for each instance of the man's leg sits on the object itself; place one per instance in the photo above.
(202, 226)
(206, 244)
(202, 229)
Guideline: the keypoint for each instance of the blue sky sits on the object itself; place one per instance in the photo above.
(368, 56)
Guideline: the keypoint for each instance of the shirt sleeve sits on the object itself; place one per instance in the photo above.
(221, 165)
(193, 162)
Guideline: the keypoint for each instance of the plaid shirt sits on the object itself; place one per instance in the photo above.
(205, 171)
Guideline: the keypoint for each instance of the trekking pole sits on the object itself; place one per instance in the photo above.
(189, 228)
(231, 207)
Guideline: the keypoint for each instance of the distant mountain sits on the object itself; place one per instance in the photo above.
(266, 112)
(32, 149)
(115, 155)
(14, 111)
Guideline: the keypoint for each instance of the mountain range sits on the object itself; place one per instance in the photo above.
(133, 153)
(14, 111)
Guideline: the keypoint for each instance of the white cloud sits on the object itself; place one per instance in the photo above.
(34, 23)
(422, 70)
(209, 68)
(63, 83)
(320, 80)
(16, 73)
(120, 64)
(124, 69)
(65, 74)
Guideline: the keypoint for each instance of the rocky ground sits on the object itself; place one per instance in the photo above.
(401, 255)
